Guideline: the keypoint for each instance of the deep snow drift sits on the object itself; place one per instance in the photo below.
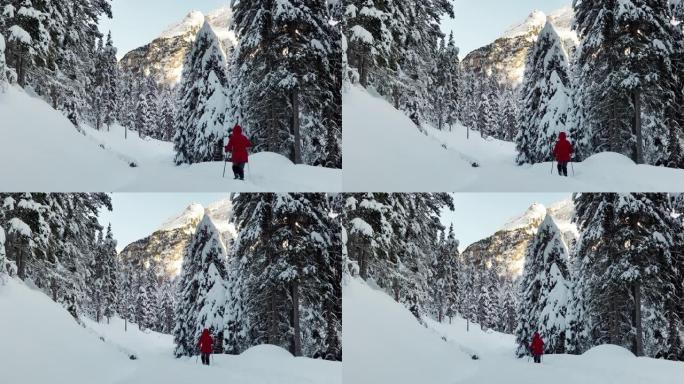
(41, 343)
(384, 151)
(41, 151)
(384, 343)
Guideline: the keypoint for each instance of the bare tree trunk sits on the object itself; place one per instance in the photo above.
(363, 71)
(637, 128)
(21, 262)
(639, 337)
(363, 263)
(297, 337)
(296, 126)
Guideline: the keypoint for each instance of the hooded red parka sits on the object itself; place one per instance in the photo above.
(537, 346)
(563, 149)
(237, 146)
(205, 342)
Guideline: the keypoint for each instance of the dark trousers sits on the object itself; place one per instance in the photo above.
(563, 168)
(239, 170)
(537, 359)
(205, 358)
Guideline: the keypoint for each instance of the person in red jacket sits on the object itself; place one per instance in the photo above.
(537, 347)
(563, 153)
(206, 345)
(237, 147)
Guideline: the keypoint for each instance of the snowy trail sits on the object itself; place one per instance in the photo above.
(384, 343)
(41, 343)
(41, 151)
(383, 150)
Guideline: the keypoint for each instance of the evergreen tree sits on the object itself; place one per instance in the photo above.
(275, 65)
(636, 271)
(545, 98)
(110, 265)
(445, 93)
(202, 289)
(3, 258)
(627, 86)
(4, 70)
(284, 247)
(201, 116)
(51, 238)
(544, 291)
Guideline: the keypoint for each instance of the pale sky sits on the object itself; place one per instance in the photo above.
(480, 215)
(138, 215)
(138, 22)
(480, 22)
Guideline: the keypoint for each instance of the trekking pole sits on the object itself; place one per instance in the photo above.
(225, 163)
(552, 162)
(572, 165)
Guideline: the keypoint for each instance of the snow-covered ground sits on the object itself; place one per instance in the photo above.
(41, 343)
(384, 151)
(41, 151)
(383, 343)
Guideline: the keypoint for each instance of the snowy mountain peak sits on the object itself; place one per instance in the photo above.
(534, 22)
(192, 214)
(506, 56)
(192, 20)
(534, 214)
(163, 57)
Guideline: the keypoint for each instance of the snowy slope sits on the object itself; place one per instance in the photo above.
(384, 344)
(41, 343)
(383, 150)
(41, 151)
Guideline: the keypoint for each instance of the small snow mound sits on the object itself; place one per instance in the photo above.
(608, 352)
(608, 160)
(266, 353)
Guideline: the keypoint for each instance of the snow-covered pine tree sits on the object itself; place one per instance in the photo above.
(490, 308)
(167, 304)
(544, 291)
(28, 39)
(202, 290)
(108, 90)
(50, 238)
(281, 269)
(203, 100)
(274, 65)
(623, 292)
(508, 112)
(623, 78)
(166, 111)
(487, 120)
(399, 230)
(3, 65)
(369, 37)
(109, 286)
(445, 90)
(3, 258)
(545, 98)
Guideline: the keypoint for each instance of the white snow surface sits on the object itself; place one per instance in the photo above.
(384, 343)
(42, 343)
(42, 151)
(384, 151)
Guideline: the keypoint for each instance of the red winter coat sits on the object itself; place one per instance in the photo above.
(563, 149)
(537, 346)
(206, 343)
(237, 146)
